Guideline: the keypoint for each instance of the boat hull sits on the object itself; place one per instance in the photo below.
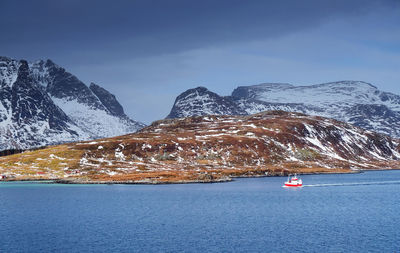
(291, 185)
(293, 181)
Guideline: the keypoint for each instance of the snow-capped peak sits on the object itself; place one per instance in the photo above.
(356, 102)
(41, 103)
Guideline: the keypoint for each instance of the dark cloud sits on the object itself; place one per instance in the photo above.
(99, 30)
(147, 52)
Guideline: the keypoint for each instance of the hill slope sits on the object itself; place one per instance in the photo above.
(213, 148)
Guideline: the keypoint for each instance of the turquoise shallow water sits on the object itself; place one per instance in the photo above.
(332, 213)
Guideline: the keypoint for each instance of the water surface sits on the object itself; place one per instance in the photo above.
(334, 213)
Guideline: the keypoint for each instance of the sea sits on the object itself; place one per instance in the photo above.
(331, 213)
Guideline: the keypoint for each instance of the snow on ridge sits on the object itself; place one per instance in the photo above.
(272, 85)
(321, 95)
(97, 122)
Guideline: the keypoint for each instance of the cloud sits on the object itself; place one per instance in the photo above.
(330, 52)
(113, 30)
(148, 51)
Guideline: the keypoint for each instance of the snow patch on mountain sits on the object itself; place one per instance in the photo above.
(98, 123)
(329, 96)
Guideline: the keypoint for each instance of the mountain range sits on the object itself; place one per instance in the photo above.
(211, 149)
(42, 104)
(355, 102)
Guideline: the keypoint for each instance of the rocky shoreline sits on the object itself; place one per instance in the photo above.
(158, 182)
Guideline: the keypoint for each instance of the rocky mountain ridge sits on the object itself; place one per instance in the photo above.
(41, 104)
(355, 102)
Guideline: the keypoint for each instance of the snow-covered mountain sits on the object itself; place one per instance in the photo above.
(200, 101)
(355, 102)
(42, 104)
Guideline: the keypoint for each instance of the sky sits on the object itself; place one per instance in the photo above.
(147, 52)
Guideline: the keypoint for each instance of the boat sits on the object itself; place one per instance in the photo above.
(293, 181)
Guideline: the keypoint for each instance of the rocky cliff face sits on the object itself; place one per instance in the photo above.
(213, 148)
(201, 101)
(42, 104)
(359, 103)
(108, 100)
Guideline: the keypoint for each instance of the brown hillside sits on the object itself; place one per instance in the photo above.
(212, 148)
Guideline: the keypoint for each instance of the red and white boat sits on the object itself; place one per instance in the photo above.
(293, 181)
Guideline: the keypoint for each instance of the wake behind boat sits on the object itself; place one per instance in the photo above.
(293, 181)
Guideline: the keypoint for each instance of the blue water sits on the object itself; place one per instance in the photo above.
(358, 213)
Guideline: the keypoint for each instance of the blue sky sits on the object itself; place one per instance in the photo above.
(147, 52)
